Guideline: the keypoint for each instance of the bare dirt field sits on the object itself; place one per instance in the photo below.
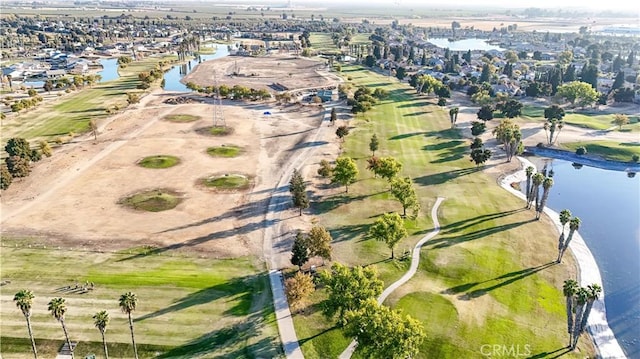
(262, 72)
(72, 197)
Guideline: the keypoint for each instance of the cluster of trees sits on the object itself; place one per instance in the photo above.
(574, 225)
(20, 155)
(58, 309)
(26, 103)
(381, 332)
(534, 182)
(554, 115)
(298, 191)
(123, 61)
(479, 154)
(147, 77)
(509, 135)
(364, 98)
(236, 92)
(579, 302)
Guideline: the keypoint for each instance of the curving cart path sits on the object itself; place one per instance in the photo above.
(415, 260)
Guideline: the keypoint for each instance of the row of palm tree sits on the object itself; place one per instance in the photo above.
(579, 302)
(58, 308)
(574, 225)
(534, 181)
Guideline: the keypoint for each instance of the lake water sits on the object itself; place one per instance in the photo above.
(463, 45)
(608, 203)
(172, 77)
(109, 69)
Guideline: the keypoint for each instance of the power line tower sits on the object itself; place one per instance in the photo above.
(218, 116)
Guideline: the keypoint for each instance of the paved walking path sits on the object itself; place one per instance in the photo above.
(276, 205)
(415, 260)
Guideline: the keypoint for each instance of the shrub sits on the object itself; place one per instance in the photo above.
(540, 145)
(581, 151)
(18, 166)
(477, 128)
(635, 158)
(5, 178)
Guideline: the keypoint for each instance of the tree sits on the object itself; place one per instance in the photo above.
(5, 177)
(133, 98)
(298, 191)
(485, 76)
(480, 156)
(373, 144)
(546, 186)
(24, 302)
(453, 116)
(345, 172)
(574, 225)
(578, 91)
(58, 309)
(485, 113)
(334, 116)
(427, 84)
(532, 198)
(594, 291)
(128, 302)
(373, 165)
(508, 133)
(582, 296)
(512, 108)
(477, 127)
(100, 321)
(341, 132)
(389, 167)
(18, 146)
(565, 217)
(298, 288)
(300, 251)
(618, 82)
(620, 120)
(348, 289)
(528, 172)
(325, 170)
(569, 289)
(401, 73)
(94, 129)
(481, 98)
(383, 333)
(402, 189)
(18, 166)
(319, 242)
(388, 228)
(565, 58)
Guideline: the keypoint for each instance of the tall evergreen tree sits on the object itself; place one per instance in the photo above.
(300, 251)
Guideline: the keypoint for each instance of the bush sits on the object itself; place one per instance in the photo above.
(477, 128)
(18, 166)
(581, 151)
(5, 178)
(635, 158)
(540, 145)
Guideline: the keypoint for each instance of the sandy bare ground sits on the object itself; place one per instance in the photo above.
(71, 199)
(261, 72)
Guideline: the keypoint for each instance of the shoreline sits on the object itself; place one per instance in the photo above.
(588, 273)
(584, 159)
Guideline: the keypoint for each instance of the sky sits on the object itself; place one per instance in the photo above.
(631, 5)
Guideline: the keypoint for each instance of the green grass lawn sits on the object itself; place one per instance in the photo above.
(483, 280)
(230, 181)
(159, 161)
(224, 151)
(610, 150)
(181, 118)
(155, 200)
(188, 306)
(322, 42)
(73, 112)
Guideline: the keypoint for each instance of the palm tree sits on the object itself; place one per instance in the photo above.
(594, 292)
(128, 303)
(58, 308)
(582, 295)
(537, 180)
(565, 217)
(574, 225)
(546, 185)
(529, 171)
(100, 320)
(569, 289)
(24, 301)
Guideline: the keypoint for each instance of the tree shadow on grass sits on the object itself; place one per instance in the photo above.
(458, 226)
(405, 135)
(501, 281)
(448, 134)
(451, 151)
(481, 233)
(239, 335)
(333, 202)
(349, 232)
(240, 290)
(442, 177)
(551, 355)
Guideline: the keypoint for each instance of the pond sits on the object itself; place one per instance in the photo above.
(463, 45)
(172, 77)
(109, 69)
(608, 203)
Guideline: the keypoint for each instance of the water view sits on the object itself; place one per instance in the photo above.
(172, 77)
(464, 45)
(608, 203)
(109, 69)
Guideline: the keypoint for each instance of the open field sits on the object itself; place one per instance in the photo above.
(187, 305)
(72, 112)
(261, 72)
(322, 42)
(483, 279)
